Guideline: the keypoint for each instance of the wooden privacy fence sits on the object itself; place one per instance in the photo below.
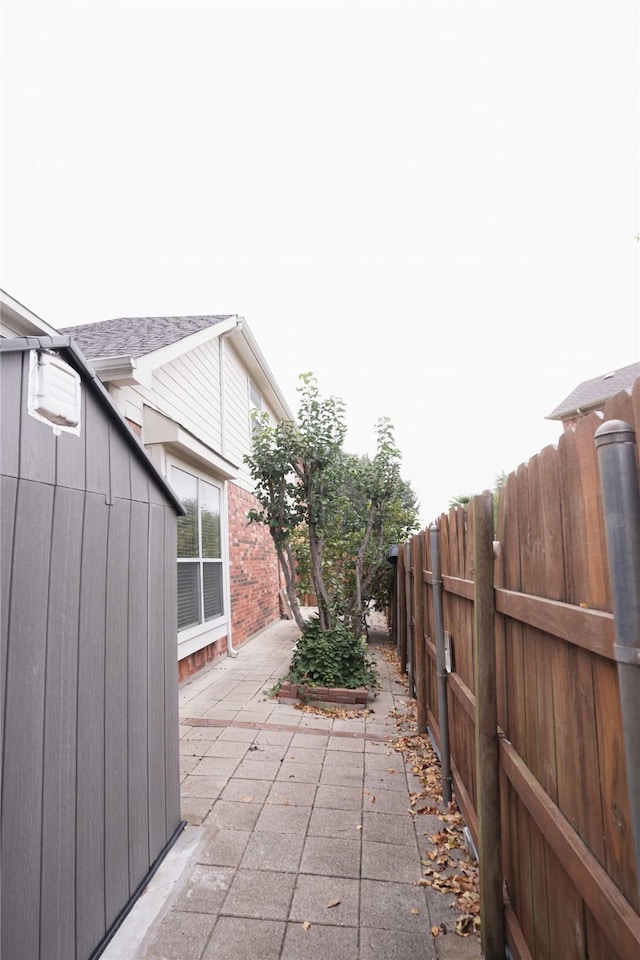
(539, 640)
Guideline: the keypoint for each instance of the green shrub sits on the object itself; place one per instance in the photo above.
(332, 659)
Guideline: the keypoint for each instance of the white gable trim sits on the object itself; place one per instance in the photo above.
(18, 321)
(253, 359)
(158, 358)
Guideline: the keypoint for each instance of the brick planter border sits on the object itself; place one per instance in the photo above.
(337, 696)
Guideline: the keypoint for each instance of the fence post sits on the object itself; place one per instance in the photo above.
(402, 610)
(441, 671)
(615, 443)
(418, 633)
(407, 598)
(487, 766)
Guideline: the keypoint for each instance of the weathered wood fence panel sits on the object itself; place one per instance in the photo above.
(567, 842)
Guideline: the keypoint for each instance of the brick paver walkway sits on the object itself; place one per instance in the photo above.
(303, 845)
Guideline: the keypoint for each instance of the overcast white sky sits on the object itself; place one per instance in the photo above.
(431, 205)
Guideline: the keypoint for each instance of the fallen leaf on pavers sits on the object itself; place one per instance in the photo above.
(465, 926)
(435, 931)
(414, 911)
(306, 926)
(253, 747)
(332, 903)
(358, 826)
(246, 799)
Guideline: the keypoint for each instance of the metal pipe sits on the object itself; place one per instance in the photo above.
(441, 670)
(615, 443)
(231, 650)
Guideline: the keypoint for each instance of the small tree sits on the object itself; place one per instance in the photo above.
(329, 513)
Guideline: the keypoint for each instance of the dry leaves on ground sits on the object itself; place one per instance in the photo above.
(336, 713)
(447, 864)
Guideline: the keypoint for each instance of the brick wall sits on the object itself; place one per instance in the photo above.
(195, 661)
(253, 569)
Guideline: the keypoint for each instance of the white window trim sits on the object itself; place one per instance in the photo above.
(194, 638)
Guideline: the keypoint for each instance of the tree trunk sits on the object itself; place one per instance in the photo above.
(287, 566)
(324, 604)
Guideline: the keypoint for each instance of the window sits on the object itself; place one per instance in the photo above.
(200, 596)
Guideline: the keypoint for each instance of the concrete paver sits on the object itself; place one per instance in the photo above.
(299, 840)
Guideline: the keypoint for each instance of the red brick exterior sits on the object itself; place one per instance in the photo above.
(195, 661)
(253, 569)
(337, 695)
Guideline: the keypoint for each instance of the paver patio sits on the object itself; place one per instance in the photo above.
(301, 840)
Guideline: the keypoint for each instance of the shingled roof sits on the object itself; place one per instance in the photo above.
(136, 336)
(592, 393)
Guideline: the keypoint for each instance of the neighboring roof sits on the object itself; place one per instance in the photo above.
(68, 349)
(594, 392)
(136, 336)
(16, 320)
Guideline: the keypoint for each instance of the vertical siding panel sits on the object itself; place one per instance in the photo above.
(116, 715)
(24, 717)
(58, 905)
(37, 440)
(172, 761)
(70, 449)
(137, 698)
(96, 438)
(155, 673)
(90, 857)
(10, 404)
(139, 481)
(120, 456)
(8, 494)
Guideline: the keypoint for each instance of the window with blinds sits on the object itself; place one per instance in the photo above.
(200, 595)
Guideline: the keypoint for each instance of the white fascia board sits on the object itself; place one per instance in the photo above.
(247, 346)
(160, 429)
(151, 362)
(18, 321)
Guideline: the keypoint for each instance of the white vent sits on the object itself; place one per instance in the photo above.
(54, 392)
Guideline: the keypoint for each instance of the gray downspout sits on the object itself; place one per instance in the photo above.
(615, 443)
(231, 650)
(441, 670)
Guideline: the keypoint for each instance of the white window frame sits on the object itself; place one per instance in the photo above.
(202, 634)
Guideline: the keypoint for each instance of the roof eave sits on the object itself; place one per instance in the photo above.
(243, 335)
(121, 371)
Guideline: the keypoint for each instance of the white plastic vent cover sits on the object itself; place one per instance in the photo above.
(54, 392)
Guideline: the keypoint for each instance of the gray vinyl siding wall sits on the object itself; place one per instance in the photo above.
(90, 775)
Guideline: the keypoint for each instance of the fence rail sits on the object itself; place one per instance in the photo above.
(564, 816)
